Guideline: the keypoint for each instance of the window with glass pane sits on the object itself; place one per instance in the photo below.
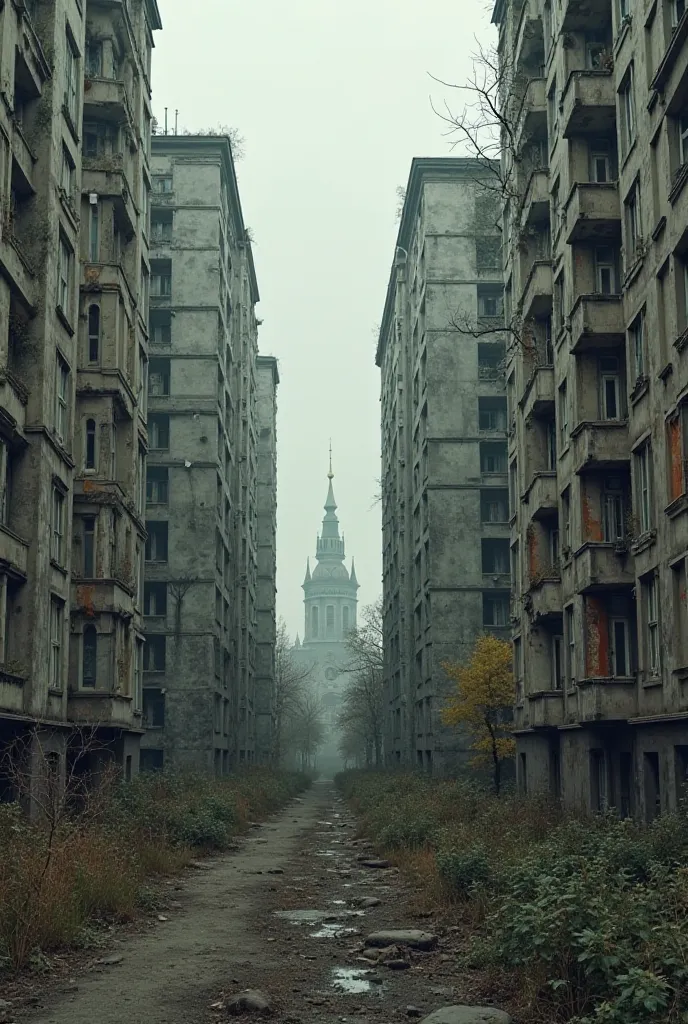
(605, 270)
(64, 277)
(652, 624)
(678, 9)
(637, 333)
(570, 647)
(563, 414)
(600, 163)
(492, 413)
(89, 664)
(643, 481)
(56, 634)
(58, 526)
(610, 388)
(94, 59)
(93, 333)
(683, 138)
(159, 431)
(89, 548)
(71, 93)
(94, 234)
(157, 485)
(620, 649)
(557, 647)
(551, 429)
(613, 511)
(627, 98)
(159, 377)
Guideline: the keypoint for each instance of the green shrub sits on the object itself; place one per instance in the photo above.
(464, 870)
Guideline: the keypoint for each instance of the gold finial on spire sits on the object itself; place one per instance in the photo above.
(330, 474)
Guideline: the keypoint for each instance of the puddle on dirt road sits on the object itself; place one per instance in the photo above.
(351, 980)
(302, 916)
(333, 931)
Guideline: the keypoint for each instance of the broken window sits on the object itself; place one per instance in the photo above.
(156, 543)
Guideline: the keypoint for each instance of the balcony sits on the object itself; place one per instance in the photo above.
(544, 600)
(597, 322)
(532, 119)
(538, 396)
(529, 42)
(537, 294)
(106, 100)
(601, 444)
(106, 176)
(14, 554)
(544, 710)
(96, 597)
(593, 213)
(108, 382)
(541, 495)
(589, 105)
(23, 157)
(585, 15)
(15, 267)
(536, 201)
(607, 699)
(102, 708)
(14, 396)
(599, 567)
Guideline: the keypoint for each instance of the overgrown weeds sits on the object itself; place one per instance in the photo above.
(587, 915)
(56, 876)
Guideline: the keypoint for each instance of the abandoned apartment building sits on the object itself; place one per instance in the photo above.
(595, 241)
(209, 591)
(73, 356)
(444, 453)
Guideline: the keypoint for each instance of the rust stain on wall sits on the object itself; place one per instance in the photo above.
(676, 457)
(596, 638)
(84, 599)
(592, 526)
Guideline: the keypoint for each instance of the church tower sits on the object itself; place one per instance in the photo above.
(330, 593)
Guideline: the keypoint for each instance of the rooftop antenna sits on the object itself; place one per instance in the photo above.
(330, 474)
(176, 122)
(165, 120)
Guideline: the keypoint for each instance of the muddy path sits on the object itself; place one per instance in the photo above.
(287, 914)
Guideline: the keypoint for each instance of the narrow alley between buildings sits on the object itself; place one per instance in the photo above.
(292, 913)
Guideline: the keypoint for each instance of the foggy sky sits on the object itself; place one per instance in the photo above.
(333, 99)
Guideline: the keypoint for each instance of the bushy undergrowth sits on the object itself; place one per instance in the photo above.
(56, 876)
(590, 914)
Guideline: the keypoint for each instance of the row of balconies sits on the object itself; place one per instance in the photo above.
(593, 700)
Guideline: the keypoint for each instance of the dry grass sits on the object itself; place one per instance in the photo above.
(57, 876)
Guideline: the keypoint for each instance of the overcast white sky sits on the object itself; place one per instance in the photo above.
(332, 97)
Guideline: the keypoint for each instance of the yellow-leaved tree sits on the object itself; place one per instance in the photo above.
(482, 702)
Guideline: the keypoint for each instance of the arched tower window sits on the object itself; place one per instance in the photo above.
(93, 333)
(90, 444)
(314, 622)
(329, 619)
(89, 657)
(345, 619)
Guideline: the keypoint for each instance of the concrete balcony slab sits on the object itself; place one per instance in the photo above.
(544, 710)
(593, 213)
(14, 554)
(537, 401)
(529, 42)
(538, 290)
(589, 104)
(599, 567)
(597, 321)
(607, 699)
(536, 200)
(541, 496)
(544, 600)
(102, 708)
(532, 118)
(599, 445)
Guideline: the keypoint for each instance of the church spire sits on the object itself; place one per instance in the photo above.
(352, 576)
(308, 571)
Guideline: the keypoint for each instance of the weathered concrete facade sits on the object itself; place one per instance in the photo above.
(201, 501)
(596, 255)
(267, 379)
(444, 477)
(68, 602)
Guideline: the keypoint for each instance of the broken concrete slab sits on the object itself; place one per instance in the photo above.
(467, 1015)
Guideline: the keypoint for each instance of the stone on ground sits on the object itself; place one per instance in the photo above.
(412, 937)
(369, 901)
(250, 1001)
(467, 1015)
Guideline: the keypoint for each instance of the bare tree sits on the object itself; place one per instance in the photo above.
(290, 689)
(361, 717)
(306, 729)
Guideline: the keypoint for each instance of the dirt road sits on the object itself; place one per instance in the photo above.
(287, 914)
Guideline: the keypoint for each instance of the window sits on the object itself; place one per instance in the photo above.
(563, 414)
(605, 270)
(94, 233)
(566, 518)
(492, 413)
(162, 183)
(153, 709)
(627, 101)
(597, 56)
(159, 431)
(90, 453)
(314, 622)
(560, 301)
(154, 653)
(160, 329)
(637, 345)
(678, 9)
(159, 377)
(67, 174)
(557, 659)
(88, 563)
(5, 485)
(490, 301)
(93, 333)
(161, 226)
(683, 139)
(552, 114)
(643, 487)
(620, 654)
(651, 785)
(56, 638)
(57, 526)
(71, 93)
(152, 760)
(495, 609)
(156, 543)
(490, 359)
(157, 485)
(651, 614)
(65, 273)
(329, 618)
(94, 59)
(161, 279)
(495, 556)
(634, 227)
(551, 429)
(61, 398)
(613, 510)
(493, 458)
(600, 162)
(494, 506)
(345, 619)
(623, 8)
(610, 388)
(155, 599)
(89, 657)
(570, 647)
(553, 544)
